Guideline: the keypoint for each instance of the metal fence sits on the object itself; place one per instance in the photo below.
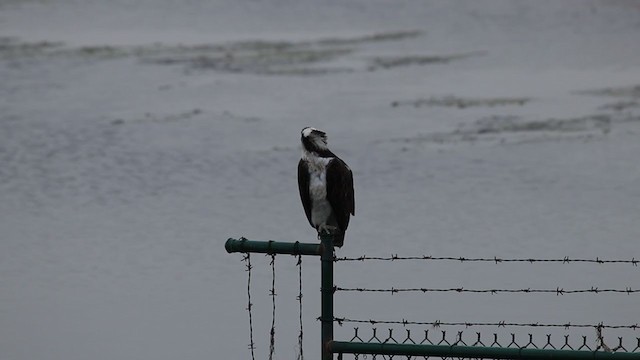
(441, 344)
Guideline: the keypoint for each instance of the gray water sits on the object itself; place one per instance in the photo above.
(136, 137)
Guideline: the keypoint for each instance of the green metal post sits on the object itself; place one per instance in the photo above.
(453, 351)
(326, 275)
(271, 247)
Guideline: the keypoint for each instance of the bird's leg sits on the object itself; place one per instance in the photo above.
(328, 229)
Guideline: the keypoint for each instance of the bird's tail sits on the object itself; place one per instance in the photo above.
(338, 238)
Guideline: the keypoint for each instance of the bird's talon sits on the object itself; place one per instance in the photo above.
(327, 229)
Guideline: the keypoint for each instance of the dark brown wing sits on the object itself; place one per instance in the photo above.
(303, 187)
(340, 192)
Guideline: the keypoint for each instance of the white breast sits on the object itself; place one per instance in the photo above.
(320, 207)
(318, 185)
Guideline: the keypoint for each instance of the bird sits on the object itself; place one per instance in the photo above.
(326, 186)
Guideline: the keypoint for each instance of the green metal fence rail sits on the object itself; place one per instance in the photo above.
(342, 347)
(329, 346)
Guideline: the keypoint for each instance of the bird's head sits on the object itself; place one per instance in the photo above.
(314, 140)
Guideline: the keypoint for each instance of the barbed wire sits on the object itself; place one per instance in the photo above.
(499, 324)
(247, 259)
(496, 260)
(437, 323)
(272, 293)
(557, 291)
(299, 298)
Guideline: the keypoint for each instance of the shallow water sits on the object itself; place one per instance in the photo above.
(131, 149)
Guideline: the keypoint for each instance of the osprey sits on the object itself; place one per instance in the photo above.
(326, 186)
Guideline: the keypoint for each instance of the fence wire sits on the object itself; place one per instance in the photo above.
(556, 291)
(248, 268)
(496, 260)
(437, 323)
(299, 298)
(272, 293)
(443, 337)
